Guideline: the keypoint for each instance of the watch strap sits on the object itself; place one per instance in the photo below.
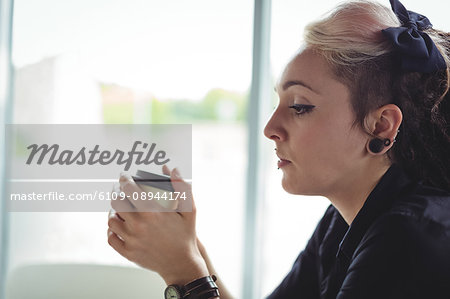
(206, 295)
(198, 282)
(202, 288)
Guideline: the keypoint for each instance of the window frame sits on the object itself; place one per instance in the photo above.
(6, 70)
(258, 109)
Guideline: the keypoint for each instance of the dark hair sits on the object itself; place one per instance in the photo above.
(422, 146)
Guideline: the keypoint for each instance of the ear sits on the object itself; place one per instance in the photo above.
(384, 123)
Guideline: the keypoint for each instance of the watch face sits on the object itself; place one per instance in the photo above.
(172, 292)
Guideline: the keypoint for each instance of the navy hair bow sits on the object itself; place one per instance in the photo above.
(416, 49)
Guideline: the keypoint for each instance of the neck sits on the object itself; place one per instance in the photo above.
(354, 189)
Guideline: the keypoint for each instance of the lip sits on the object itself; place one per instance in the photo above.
(282, 162)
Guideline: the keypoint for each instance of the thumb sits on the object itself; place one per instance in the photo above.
(186, 206)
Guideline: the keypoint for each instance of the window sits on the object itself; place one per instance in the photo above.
(138, 62)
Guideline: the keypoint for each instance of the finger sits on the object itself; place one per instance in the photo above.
(116, 243)
(115, 187)
(128, 187)
(136, 196)
(118, 227)
(113, 213)
(173, 206)
(122, 206)
(116, 193)
(186, 205)
(127, 224)
(166, 169)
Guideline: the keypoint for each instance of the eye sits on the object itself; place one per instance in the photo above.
(302, 109)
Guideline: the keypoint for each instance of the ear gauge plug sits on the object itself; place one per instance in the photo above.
(376, 145)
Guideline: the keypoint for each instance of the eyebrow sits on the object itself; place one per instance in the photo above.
(295, 82)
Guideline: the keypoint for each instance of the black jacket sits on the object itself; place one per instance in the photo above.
(398, 246)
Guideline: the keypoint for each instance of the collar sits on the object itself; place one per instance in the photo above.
(378, 201)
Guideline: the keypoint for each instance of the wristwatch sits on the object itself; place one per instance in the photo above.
(173, 292)
(201, 288)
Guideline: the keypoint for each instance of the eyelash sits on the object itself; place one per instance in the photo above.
(302, 109)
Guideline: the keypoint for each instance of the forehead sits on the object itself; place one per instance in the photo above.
(310, 68)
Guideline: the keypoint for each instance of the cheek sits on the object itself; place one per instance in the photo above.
(339, 143)
(321, 139)
(325, 147)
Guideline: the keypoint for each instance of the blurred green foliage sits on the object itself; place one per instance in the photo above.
(216, 105)
(118, 113)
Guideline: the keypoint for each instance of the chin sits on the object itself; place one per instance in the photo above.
(291, 187)
(294, 187)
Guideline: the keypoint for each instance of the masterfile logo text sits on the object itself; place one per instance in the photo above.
(80, 163)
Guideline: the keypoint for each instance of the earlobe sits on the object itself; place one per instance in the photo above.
(376, 145)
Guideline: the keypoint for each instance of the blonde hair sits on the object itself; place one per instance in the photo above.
(351, 33)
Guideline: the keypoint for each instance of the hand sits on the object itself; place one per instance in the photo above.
(164, 242)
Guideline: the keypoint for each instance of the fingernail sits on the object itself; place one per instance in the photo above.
(124, 177)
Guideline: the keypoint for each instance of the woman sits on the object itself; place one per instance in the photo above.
(363, 119)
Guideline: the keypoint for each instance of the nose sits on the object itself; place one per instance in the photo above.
(273, 129)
